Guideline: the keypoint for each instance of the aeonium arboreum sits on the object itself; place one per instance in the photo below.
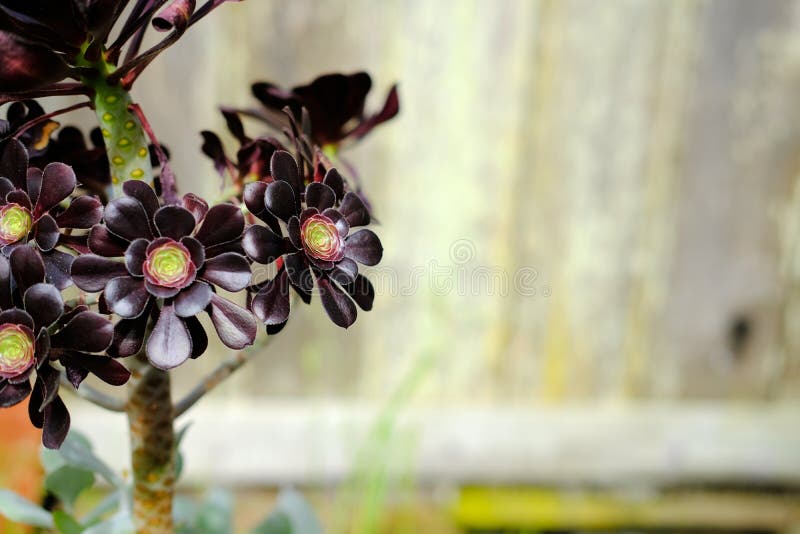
(320, 250)
(168, 263)
(37, 333)
(36, 208)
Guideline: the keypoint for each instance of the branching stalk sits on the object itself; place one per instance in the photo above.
(95, 397)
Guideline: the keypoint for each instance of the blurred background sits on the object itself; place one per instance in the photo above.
(588, 311)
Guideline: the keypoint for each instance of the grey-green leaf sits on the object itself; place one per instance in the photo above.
(292, 515)
(216, 514)
(68, 482)
(77, 452)
(66, 524)
(21, 510)
(119, 524)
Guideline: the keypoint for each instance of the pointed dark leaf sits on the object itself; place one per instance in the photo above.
(49, 377)
(235, 326)
(104, 243)
(196, 206)
(87, 331)
(56, 424)
(58, 182)
(342, 226)
(364, 247)
(14, 163)
(293, 229)
(344, 272)
(161, 292)
(27, 267)
(354, 210)
(320, 196)
(5, 282)
(57, 266)
(198, 336)
(230, 271)
(339, 307)
(126, 296)
(83, 212)
(42, 351)
(13, 394)
(76, 375)
(127, 218)
(299, 271)
(193, 299)
(129, 336)
(34, 401)
(136, 255)
(174, 221)
(271, 303)
(234, 124)
(280, 200)
(18, 196)
(92, 273)
(170, 343)
(212, 147)
(196, 250)
(334, 180)
(142, 192)
(262, 245)
(46, 233)
(390, 109)
(34, 184)
(106, 369)
(43, 302)
(283, 167)
(6, 186)
(223, 223)
(254, 197)
(16, 316)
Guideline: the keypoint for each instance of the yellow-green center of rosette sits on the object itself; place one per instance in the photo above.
(15, 223)
(17, 350)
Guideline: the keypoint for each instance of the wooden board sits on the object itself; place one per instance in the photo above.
(271, 443)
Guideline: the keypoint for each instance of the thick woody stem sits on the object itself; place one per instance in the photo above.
(150, 419)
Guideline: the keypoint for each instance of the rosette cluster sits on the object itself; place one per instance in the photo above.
(319, 250)
(166, 263)
(38, 334)
(36, 208)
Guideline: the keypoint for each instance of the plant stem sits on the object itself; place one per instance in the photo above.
(150, 419)
(123, 135)
(95, 397)
(217, 376)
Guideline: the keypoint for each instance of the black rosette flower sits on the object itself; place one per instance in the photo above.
(335, 104)
(320, 248)
(32, 211)
(35, 333)
(174, 254)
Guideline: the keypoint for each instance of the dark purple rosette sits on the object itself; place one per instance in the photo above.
(36, 333)
(335, 104)
(320, 249)
(168, 263)
(35, 208)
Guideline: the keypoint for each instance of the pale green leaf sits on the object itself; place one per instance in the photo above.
(21, 510)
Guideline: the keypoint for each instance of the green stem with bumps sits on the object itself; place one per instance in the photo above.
(123, 135)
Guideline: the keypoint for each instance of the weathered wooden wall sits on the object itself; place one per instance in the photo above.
(629, 167)
(639, 156)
